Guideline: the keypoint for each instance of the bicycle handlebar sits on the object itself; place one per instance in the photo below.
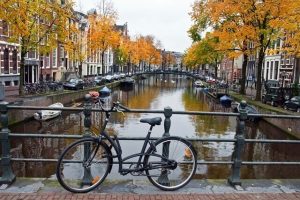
(116, 105)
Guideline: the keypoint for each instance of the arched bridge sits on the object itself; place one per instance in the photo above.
(176, 72)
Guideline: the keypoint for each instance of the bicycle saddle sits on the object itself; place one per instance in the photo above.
(152, 121)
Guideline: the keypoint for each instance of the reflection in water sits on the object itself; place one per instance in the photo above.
(156, 93)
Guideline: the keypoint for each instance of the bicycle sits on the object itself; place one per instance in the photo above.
(169, 162)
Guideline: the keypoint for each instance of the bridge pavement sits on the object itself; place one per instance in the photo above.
(47, 189)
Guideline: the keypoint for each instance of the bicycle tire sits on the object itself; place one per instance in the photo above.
(71, 172)
(182, 152)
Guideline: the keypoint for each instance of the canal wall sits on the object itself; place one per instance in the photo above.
(65, 97)
(289, 126)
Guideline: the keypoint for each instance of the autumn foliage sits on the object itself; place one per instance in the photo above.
(237, 23)
(36, 24)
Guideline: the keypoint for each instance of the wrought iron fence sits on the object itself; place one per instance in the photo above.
(239, 141)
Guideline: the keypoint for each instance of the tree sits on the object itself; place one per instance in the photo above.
(36, 25)
(205, 51)
(102, 34)
(76, 46)
(244, 21)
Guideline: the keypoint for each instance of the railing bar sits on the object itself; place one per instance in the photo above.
(17, 135)
(198, 162)
(120, 138)
(55, 160)
(269, 163)
(272, 141)
(157, 111)
(155, 138)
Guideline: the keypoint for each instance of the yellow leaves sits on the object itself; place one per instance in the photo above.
(102, 33)
(33, 21)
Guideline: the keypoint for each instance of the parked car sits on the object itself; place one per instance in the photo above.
(108, 78)
(74, 84)
(276, 96)
(116, 76)
(292, 104)
(98, 80)
(122, 75)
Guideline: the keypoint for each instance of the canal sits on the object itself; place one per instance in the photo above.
(157, 92)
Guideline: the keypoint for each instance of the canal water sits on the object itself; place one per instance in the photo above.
(158, 92)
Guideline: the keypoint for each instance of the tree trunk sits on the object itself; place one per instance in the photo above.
(244, 68)
(297, 71)
(22, 67)
(261, 56)
(216, 70)
(103, 65)
(80, 70)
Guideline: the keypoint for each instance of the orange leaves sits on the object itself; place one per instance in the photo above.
(102, 34)
(35, 20)
(140, 49)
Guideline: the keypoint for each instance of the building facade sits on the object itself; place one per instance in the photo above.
(9, 58)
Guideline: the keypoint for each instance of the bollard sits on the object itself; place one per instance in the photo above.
(234, 178)
(87, 177)
(163, 178)
(8, 177)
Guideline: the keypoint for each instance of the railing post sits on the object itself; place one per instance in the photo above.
(234, 178)
(87, 114)
(87, 176)
(8, 176)
(167, 122)
(163, 178)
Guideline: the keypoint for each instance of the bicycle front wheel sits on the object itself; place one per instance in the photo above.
(171, 164)
(83, 165)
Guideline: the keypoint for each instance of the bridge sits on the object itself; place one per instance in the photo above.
(236, 162)
(176, 72)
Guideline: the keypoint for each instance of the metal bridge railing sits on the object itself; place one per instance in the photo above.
(239, 140)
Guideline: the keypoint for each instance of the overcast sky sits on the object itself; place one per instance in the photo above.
(167, 20)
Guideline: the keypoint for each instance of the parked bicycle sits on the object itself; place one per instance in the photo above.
(169, 162)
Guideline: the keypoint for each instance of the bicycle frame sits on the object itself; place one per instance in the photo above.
(115, 144)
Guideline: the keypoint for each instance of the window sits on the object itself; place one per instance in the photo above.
(41, 61)
(15, 61)
(271, 70)
(54, 57)
(4, 28)
(47, 60)
(278, 43)
(276, 70)
(6, 61)
(267, 71)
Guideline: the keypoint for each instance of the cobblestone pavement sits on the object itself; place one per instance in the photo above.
(206, 189)
(63, 196)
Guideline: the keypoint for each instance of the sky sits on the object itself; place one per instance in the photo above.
(167, 20)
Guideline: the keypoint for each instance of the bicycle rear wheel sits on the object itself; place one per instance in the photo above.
(171, 164)
(83, 165)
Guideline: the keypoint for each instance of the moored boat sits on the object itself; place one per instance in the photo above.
(249, 109)
(127, 82)
(199, 84)
(225, 101)
(43, 115)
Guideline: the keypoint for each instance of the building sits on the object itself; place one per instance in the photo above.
(277, 65)
(9, 58)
